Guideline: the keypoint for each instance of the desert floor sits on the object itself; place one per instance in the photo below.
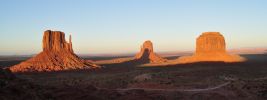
(198, 81)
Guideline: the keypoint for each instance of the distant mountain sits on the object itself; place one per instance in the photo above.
(164, 54)
(248, 51)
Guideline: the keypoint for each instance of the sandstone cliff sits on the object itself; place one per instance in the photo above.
(55, 41)
(147, 54)
(210, 42)
(57, 55)
(210, 46)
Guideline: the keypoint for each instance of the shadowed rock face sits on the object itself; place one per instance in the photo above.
(57, 55)
(210, 46)
(147, 54)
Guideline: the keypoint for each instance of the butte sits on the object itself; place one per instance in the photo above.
(210, 47)
(57, 55)
(147, 54)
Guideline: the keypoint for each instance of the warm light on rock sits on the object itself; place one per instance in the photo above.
(57, 55)
(210, 46)
(147, 54)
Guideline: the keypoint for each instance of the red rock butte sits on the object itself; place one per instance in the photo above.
(211, 46)
(147, 54)
(57, 55)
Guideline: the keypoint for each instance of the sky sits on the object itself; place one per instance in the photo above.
(121, 26)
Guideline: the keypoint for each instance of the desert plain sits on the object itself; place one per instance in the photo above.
(57, 73)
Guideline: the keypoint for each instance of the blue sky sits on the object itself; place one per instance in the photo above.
(120, 26)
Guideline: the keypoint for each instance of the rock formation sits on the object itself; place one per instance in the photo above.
(210, 43)
(55, 41)
(210, 46)
(147, 54)
(57, 55)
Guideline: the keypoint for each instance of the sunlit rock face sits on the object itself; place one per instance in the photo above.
(55, 41)
(210, 46)
(210, 42)
(57, 55)
(147, 54)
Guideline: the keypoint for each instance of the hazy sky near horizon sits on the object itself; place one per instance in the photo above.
(121, 26)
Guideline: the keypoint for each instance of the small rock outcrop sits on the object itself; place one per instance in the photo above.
(210, 46)
(57, 55)
(147, 54)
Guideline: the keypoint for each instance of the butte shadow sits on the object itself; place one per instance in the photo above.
(145, 56)
(210, 48)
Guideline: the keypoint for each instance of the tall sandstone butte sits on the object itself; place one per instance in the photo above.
(57, 55)
(211, 46)
(147, 54)
(55, 41)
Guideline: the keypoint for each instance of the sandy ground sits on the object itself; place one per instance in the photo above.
(209, 81)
